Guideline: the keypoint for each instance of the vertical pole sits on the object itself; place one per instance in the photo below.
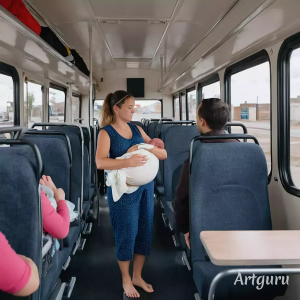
(91, 74)
(70, 118)
(162, 79)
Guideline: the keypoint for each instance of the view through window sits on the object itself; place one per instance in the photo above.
(211, 90)
(183, 107)
(192, 104)
(149, 109)
(33, 104)
(97, 108)
(75, 107)
(176, 109)
(143, 109)
(295, 117)
(57, 100)
(6, 101)
(250, 104)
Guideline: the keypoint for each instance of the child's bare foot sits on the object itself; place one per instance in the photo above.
(129, 289)
(47, 181)
(142, 284)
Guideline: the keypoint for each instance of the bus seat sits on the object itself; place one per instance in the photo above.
(228, 191)
(177, 142)
(55, 155)
(151, 129)
(137, 123)
(21, 220)
(76, 175)
(159, 189)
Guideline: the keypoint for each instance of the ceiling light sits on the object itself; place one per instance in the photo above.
(132, 65)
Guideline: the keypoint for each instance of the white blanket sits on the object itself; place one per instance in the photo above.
(49, 193)
(134, 177)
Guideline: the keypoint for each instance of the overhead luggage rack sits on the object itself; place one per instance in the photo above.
(27, 48)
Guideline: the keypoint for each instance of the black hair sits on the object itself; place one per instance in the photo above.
(215, 112)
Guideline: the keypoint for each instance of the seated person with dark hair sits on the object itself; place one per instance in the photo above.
(212, 116)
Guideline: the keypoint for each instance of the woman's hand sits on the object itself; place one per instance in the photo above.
(137, 160)
(133, 148)
(59, 194)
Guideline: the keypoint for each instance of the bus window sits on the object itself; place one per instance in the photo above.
(33, 104)
(97, 108)
(192, 104)
(149, 109)
(6, 101)
(75, 106)
(57, 102)
(295, 117)
(176, 108)
(211, 90)
(250, 104)
(183, 107)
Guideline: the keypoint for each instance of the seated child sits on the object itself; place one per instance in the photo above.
(128, 180)
(56, 223)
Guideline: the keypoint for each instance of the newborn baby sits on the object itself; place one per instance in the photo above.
(128, 180)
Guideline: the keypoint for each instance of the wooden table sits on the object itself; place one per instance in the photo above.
(237, 248)
(259, 248)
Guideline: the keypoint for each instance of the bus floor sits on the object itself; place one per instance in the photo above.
(97, 272)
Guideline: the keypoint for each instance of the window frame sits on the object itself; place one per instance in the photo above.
(11, 71)
(283, 88)
(248, 63)
(213, 78)
(60, 88)
(182, 93)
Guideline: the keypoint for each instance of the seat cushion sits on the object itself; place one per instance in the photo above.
(49, 282)
(93, 191)
(86, 208)
(159, 190)
(205, 271)
(169, 211)
(63, 256)
(72, 237)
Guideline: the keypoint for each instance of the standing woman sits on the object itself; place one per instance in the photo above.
(131, 216)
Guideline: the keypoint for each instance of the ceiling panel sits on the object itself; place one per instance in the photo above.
(132, 39)
(155, 9)
(192, 22)
(61, 12)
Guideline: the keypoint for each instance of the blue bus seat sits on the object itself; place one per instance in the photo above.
(228, 191)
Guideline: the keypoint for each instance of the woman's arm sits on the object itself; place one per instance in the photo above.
(145, 136)
(105, 163)
(161, 154)
(18, 274)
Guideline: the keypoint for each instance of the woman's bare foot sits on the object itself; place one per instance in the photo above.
(142, 284)
(129, 289)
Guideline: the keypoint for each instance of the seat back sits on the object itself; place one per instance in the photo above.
(93, 154)
(56, 153)
(177, 143)
(151, 129)
(20, 216)
(77, 145)
(228, 190)
(137, 123)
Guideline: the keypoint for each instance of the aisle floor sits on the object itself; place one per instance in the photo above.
(97, 272)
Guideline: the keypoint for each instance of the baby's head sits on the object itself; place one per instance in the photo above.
(157, 142)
